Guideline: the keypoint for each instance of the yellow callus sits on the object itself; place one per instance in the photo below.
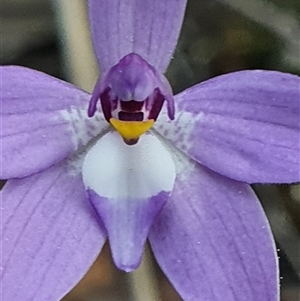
(131, 129)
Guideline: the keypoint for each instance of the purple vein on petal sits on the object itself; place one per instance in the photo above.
(225, 229)
(244, 125)
(34, 209)
(29, 131)
(207, 234)
(149, 28)
(64, 218)
(54, 256)
(218, 257)
(44, 120)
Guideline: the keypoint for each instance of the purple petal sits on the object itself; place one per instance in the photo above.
(149, 28)
(127, 186)
(50, 235)
(127, 222)
(44, 120)
(244, 125)
(213, 241)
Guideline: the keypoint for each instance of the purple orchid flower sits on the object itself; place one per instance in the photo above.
(129, 171)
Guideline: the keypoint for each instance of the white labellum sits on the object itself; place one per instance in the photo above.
(116, 170)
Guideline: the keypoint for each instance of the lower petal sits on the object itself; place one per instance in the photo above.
(127, 222)
(128, 185)
(50, 236)
(213, 241)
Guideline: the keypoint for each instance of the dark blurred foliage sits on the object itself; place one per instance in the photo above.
(28, 35)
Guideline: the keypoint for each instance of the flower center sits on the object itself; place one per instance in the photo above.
(132, 94)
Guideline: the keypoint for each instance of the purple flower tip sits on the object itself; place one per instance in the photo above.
(132, 90)
(128, 269)
(127, 222)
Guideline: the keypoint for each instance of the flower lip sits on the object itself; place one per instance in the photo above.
(128, 191)
(132, 91)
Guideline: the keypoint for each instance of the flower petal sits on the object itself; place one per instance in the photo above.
(244, 125)
(50, 234)
(127, 222)
(44, 120)
(127, 186)
(149, 28)
(213, 241)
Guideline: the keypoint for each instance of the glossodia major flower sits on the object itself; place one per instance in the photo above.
(129, 171)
